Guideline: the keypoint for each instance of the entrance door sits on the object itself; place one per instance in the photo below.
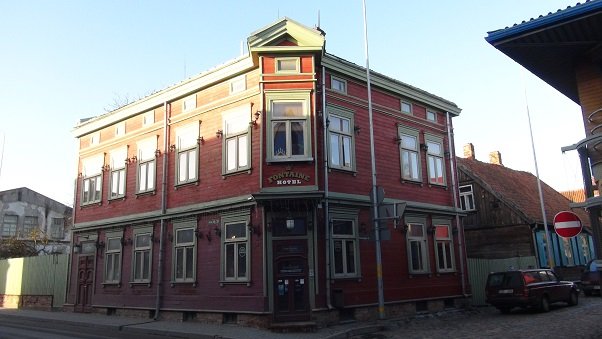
(85, 279)
(291, 286)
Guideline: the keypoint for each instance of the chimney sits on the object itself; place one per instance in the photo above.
(469, 151)
(495, 158)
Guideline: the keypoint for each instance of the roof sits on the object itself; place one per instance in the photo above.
(548, 45)
(518, 190)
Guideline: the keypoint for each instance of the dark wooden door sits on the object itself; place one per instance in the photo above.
(85, 279)
(291, 286)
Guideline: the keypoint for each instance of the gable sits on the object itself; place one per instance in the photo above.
(286, 33)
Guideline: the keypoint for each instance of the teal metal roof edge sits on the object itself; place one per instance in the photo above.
(550, 19)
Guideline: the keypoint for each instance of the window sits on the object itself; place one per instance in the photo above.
(410, 158)
(120, 129)
(443, 246)
(435, 162)
(236, 251)
(340, 128)
(466, 198)
(189, 103)
(148, 118)
(238, 84)
(92, 179)
(95, 138)
(187, 164)
(146, 165)
(9, 225)
(113, 259)
(431, 116)
(344, 248)
(57, 228)
(30, 223)
(289, 133)
(338, 84)
(92, 188)
(184, 269)
(142, 256)
(417, 247)
(406, 107)
(117, 158)
(236, 148)
(287, 65)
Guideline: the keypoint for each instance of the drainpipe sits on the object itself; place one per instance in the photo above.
(326, 213)
(166, 108)
(455, 194)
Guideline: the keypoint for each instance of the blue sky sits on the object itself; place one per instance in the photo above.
(66, 60)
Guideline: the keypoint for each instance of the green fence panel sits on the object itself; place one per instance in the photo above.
(478, 269)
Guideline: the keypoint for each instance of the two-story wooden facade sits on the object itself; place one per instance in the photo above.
(243, 194)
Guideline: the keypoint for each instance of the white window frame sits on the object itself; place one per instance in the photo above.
(9, 229)
(238, 84)
(431, 115)
(120, 129)
(95, 138)
(302, 97)
(404, 103)
(92, 177)
(241, 248)
(90, 196)
(30, 223)
(146, 166)
(142, 255)
(420, 242)
(117, 180)
(187, 155)
(337, 138)
(467, 202)
(189, 103)
(278, 63)
(236, 144)
(112, 258)
(338, 84)
(342, 241)
(435, 160)
(444, 246)
(409, 157)
(188, 225)
(148, 118)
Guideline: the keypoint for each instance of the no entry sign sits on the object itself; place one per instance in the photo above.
(567, 224)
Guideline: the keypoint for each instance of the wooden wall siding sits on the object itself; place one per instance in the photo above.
(207, 294)
(500, 242)
(387, 150)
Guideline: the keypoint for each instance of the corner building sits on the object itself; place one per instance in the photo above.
(242, 195)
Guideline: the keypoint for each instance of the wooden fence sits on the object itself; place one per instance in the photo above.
(33, 282)
(478, 269)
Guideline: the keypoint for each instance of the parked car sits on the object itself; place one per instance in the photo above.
(536, 288)
(590, 277)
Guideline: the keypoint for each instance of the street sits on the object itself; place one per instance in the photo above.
(581, 321)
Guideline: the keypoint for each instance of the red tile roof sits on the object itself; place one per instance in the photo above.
(518, 190)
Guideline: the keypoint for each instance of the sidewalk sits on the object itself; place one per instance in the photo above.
(185, 329)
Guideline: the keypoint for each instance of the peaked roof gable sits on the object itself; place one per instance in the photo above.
(518, 190)
(286, 29)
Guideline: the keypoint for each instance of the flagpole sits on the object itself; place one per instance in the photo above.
(541, 202)
(379, 270)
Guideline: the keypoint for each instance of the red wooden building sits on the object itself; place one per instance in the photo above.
(243, 194)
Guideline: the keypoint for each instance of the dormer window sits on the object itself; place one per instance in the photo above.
(287, 65)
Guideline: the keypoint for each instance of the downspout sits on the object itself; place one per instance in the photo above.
(166, 109)
(455, 194)
(326, 212)
(263, 216)
(72, 243)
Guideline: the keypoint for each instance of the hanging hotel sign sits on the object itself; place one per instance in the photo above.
(288, 178)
